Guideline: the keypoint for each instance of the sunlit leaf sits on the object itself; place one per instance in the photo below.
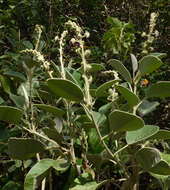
(41, 169)
(141, 134)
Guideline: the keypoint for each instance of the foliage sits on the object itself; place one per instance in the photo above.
(74, 115)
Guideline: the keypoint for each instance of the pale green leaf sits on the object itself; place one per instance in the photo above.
(141, 134)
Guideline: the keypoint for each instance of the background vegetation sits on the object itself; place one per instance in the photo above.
(117, 29)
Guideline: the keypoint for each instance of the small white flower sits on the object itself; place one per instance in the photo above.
(87, 34)
(73, 40)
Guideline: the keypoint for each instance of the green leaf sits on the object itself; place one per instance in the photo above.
(94, 68)
(160, 89)
(28, 44)
(161, 135)
(99, 118)
(141, 134)
(65, 89)
(41, 169)
(130, 97)
(15, 75)
(134, 63)
(53, 134)
(84, 182)
(6, 84)
(159, 55)
(147, 107)
(4, 133)
(101, 89)
(1, 100)
(161, 168)
(70, 77)
(18, 100)
(23, 149)
(148, 64)
(10, 114)
(124, 121)
(87, 186)
(118, 66)
(114, 22)
(148, 157)
(51, 109)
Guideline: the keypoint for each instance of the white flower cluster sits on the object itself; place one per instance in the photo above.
(38, 57)
(151, 34)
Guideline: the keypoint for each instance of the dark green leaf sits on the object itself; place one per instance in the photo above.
(124, 121)
(161, 168)
(53, 134)
(148, 64)
(161, 135)
(160, 89)
(15, 75)
(23, 149)
(118, 66)
(148, 157)
(130, 97)
(101, 89)
(51, 109)
(10, 114)
(65, 89)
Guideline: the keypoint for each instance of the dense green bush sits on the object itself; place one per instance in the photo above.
(73, 104)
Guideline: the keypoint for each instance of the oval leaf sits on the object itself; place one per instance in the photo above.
(88, 186)
(16, 75)
(53, 134)
(159, 55)
(148, 64)
(124, 121)
(101, 89)
(148, 157)
(161, 168)
(94, 68)
(51, 109)
(134, 63)
(65, 89)
(161, 135)
(10, 114)
(40, 170)
(130, 97)
(23, 149)
(146, 107)
(141, 134)
(118, 66)
(160, 89)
